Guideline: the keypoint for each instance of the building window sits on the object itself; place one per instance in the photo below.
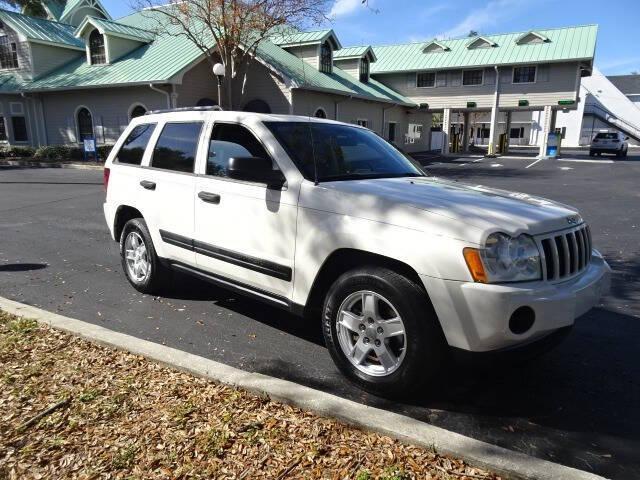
(392, 132)
(426, 79)
(85, 124)
(517, 132)
(473, 77)
(524, 74)
(364, 70)
(138, 111)
(326, 58)
(363, 123)
(8, 54)
(3, 130)
(96, 48)
(177, 146)
(19, 125)
(320, 113)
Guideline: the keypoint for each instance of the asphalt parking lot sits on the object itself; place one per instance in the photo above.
(577, 405)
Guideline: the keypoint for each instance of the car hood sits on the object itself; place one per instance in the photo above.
(446, 207)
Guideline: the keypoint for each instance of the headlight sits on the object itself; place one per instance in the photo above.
(505, 259)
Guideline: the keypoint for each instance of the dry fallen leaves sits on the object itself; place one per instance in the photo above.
(131, 418)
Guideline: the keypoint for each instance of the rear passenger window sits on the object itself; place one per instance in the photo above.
(133, 148)
(228, 141)
(177, 146)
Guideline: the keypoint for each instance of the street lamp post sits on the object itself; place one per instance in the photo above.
(218, 71)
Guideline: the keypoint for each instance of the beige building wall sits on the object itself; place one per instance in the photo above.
(263, 84)
(119, 47)
(308, 53)
(197, 84)
(377, 114)
(109, 108)
(350, 66)
(554, 82)
(47, 58)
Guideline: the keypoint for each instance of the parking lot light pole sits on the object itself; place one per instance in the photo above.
(218, 71)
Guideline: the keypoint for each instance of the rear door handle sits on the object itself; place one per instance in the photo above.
(209, 197)
(148, 185)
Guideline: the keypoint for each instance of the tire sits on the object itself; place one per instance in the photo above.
(156, 276)
(417, 354)
(592, 154)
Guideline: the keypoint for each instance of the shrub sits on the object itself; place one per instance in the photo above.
(58, 153)
(10, 151)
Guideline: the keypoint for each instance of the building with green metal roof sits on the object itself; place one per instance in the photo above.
(81, 74)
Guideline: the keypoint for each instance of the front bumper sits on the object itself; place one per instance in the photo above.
(475, 316)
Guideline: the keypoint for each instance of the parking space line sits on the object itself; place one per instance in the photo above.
(532, 164)
(583, 161)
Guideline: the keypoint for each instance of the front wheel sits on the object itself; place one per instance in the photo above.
(140, 262)
(382, 331)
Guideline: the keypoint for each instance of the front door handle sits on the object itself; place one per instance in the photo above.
(148, 185)
(209, 197)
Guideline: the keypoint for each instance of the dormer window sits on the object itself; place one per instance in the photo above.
(435, 47)
(97, 52)
(8, 54)
(532, 38)
(326, 58)
(364, 70)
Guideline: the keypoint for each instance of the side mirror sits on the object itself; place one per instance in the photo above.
(626, 138)
(255, 169)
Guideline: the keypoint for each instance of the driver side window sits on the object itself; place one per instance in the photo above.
(228, 141)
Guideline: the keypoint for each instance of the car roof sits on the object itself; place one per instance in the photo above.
(235, 116)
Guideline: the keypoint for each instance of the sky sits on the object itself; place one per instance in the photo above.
(403, 21)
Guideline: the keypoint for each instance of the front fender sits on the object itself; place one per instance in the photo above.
(321, 233)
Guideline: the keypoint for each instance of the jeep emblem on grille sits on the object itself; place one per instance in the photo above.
(573, 220)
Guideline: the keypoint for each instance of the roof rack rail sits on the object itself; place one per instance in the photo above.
(213, 108)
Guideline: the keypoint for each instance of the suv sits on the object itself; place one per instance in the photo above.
(329, 221)
(609, 142)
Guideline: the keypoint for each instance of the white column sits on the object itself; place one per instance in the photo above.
(446, 128)
(495, 111)
(547, 120)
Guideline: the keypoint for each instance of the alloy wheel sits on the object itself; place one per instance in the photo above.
(371, 333)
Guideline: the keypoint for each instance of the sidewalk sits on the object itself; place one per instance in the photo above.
(4, 162)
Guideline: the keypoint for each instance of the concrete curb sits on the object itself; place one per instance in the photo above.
(507, 463)
(30, 164)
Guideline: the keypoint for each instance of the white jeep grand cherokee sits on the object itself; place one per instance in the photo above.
(331, 222)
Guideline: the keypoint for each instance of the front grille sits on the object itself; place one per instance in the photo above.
(565, 254)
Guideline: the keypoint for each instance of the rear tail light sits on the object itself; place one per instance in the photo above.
(105, 178)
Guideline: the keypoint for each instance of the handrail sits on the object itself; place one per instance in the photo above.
(613, 119)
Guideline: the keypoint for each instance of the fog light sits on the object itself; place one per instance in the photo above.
(522, 320)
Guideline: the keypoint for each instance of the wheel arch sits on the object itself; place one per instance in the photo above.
(124, 213)
(345, 259)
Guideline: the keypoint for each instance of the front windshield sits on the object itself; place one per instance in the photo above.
(341, 152)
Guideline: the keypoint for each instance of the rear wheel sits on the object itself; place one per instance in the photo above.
(591, 153)
(382, 331)
(140, 262)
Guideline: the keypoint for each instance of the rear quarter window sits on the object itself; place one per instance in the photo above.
(134, 146)
(177, 147)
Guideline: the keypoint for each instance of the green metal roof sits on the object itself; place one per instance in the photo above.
(114, 28)
(10, 83)
(149, 64)
(54, 7)
(355, 52)
(291, 37)
(60, 9)
(168, 55)
(339, 82)
(41, 30)
(564, 44)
